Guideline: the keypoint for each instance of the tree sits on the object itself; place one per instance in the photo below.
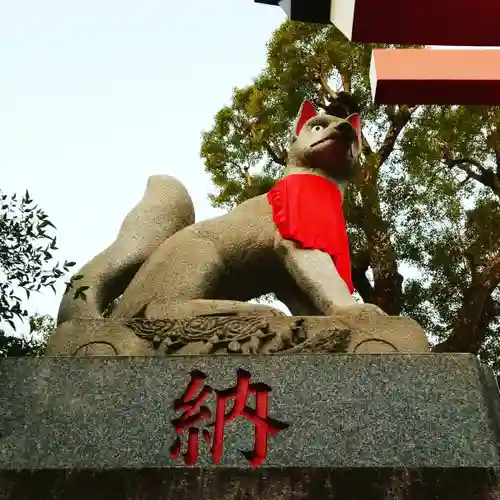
(32, 344)
(425, 202)
(26, 265)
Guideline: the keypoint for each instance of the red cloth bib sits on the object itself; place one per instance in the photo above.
(307, 209)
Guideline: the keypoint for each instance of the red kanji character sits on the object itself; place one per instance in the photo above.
(259, 418)
(194, 411)
(190, 403)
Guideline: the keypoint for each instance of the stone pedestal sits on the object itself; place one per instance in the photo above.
(340, 427)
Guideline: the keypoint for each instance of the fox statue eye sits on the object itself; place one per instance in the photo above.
(318, 128)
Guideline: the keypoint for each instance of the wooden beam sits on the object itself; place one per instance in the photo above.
(435, 76)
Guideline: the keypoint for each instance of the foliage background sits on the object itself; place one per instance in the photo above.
(27, 266)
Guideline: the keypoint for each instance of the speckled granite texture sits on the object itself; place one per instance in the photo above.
(411, 424)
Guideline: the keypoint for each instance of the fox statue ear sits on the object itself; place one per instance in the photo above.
(355, 121)
(306, 112)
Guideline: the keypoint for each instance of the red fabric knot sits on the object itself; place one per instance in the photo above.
(307, 209)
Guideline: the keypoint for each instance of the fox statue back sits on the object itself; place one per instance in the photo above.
(161, 259)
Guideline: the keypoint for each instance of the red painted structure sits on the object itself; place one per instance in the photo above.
(426, 76)
(419, 22)
(416, 76)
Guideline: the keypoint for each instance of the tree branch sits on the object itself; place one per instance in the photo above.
(387, 292)
(346, 81)
(319, 104)
(277, 158)
(242, 170)
(342, 103)
(468, 329)
(360, 265)
(491, 311)
(397, 121)
(485, 176)
(494, 143)
(328, 90)
(367, 150)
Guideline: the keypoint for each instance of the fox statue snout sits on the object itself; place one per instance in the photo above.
(327, 143)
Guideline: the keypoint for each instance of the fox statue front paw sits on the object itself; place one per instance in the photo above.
(356, 309)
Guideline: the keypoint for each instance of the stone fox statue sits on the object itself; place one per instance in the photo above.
(291, 241)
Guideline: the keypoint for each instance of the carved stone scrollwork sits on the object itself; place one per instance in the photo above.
(326, 341)
(228, 334)
(213, 332)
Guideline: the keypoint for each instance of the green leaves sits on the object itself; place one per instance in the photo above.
(29, 344)
(80, 292)
(26, 256)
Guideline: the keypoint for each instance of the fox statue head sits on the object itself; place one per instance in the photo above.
(326, 143)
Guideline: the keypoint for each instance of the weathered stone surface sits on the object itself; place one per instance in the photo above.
(352, 331)
(360, 427)
(165, 208)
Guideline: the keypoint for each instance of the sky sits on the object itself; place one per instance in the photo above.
(97, 96)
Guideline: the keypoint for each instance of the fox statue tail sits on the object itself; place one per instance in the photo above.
(165, 208)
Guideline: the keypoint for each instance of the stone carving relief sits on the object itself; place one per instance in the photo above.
(232, 335)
